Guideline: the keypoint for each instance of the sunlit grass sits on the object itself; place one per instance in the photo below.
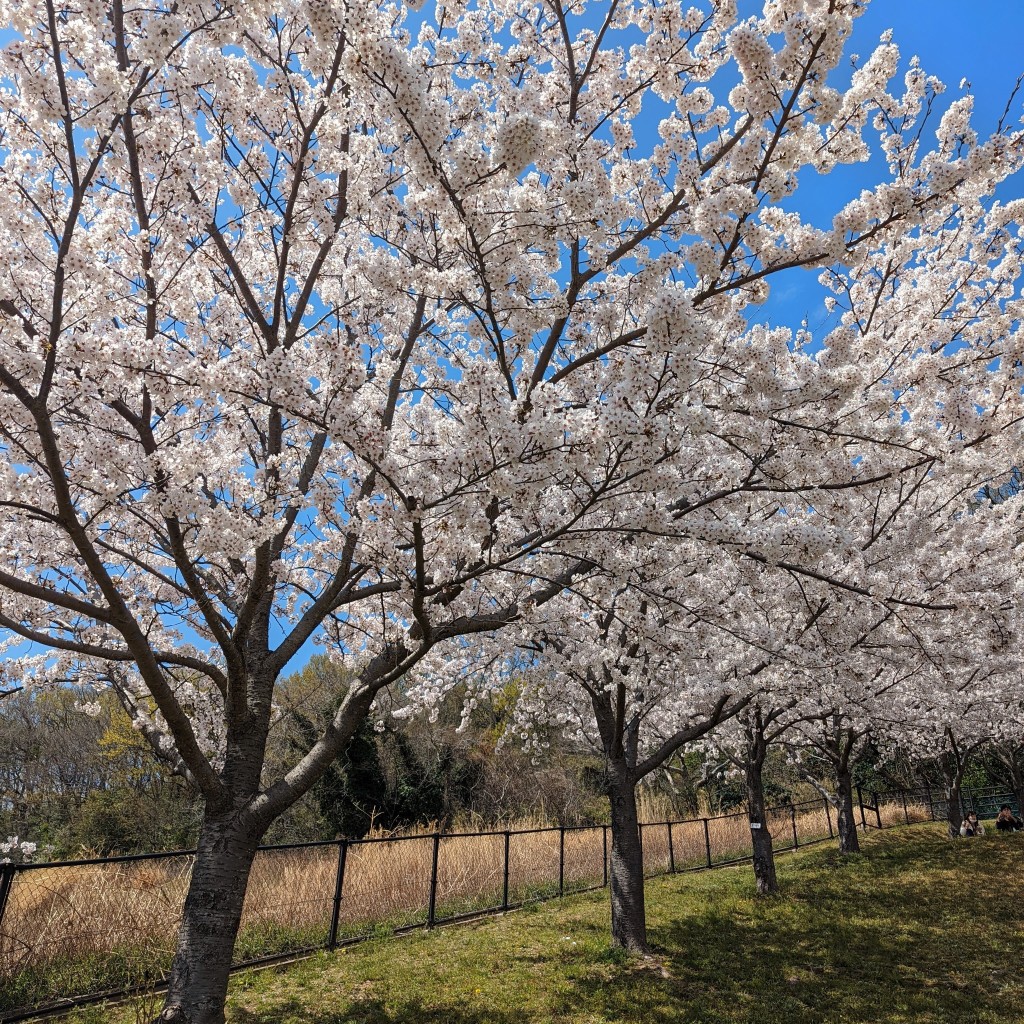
(918, 928)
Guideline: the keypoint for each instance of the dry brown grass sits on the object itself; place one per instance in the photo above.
(91, 927)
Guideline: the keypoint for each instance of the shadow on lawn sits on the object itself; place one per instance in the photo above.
(905, 947)
(884, 937)
(375, 1011)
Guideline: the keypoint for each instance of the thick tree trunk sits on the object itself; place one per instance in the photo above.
(760, 835)
(849, 842)
(954, 808)
(954, 761)
(213, 910)
(626, 871)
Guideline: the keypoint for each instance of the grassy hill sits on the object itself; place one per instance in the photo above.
(917, 928)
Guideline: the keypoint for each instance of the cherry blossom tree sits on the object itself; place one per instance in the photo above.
(332, 324)
(677, 640)
(955, 756)
(744, 745)
(948, 718)
(936, 701)
(1007, 752)
(620, 674)
(964, 689)
(931, 697)
(930, 673)
(835, 739)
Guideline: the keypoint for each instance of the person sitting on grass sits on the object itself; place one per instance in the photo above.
(971, 825)
(1007, 821)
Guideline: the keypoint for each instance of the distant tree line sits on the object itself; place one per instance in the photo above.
(78, 782)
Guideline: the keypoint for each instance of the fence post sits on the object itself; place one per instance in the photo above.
(707, 841)
(931, 806)
(432, 904)
(604, 849)
(671, 851)
(906, 811)
(6, 881)
(640, 840)
(878, 810)
(339, 880)
(792, 819)
(561, 860)
(504, 885)
(860, 804)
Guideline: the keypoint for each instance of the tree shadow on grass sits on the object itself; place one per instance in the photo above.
(375, 1011)
(885, 937)
(742, 973)
(880, 938)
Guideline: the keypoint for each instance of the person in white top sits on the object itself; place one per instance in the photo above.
(971, 826)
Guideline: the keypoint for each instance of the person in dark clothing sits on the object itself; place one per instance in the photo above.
(1007, 821)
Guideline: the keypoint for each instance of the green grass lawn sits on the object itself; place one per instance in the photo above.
(918, 928)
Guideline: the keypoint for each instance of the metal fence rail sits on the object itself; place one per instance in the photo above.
(76, 932)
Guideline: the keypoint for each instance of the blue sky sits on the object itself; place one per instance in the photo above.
(980, 41)
(954, 39)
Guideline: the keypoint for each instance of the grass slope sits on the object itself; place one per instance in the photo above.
(917, 928)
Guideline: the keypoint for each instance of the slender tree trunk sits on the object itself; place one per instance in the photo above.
(760, 835)
(1014, 776)
(213, 910)
(626, 875)
(954, 808)
(849, 842)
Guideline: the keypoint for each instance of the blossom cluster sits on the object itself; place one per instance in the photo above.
(392, 334)
(17, 851)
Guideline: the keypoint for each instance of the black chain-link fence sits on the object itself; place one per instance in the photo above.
(75, 932)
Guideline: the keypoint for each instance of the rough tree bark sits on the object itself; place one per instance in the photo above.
(760, 835)
(761, 727)
(626, 870)
(954, 761)
(198, 982)
(849, 841)
(837, 741)
(233, 826)
(954, 807)
(619, 729)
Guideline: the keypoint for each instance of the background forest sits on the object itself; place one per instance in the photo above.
(83, 782)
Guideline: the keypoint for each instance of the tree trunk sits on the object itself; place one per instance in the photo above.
(760, 835)
(1014, 776)
(849, 842)
(626, 874)
(198, 982)
(954, 808)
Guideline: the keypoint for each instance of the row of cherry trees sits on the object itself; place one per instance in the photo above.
(777, 660)
(435, 339)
